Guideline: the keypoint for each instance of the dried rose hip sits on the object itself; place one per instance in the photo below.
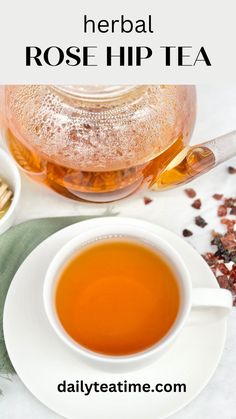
(232, 170)
(223, 281)
(233, 211)
(197, 204)
(218, 196)
(222, 211)
(147, 200)
(232, 276)
(229, 224)
(223, 260)
(223, 269)
(199, 221)
(228, 241)
(230, 202)
(210, 258)
(191, 193)
(187, 233)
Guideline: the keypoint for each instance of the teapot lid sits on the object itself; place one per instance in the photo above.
(95, 92)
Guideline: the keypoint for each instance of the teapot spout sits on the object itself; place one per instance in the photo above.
(194, 161)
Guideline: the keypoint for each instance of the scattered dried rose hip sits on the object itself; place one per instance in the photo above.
(230, 202)
(223, 268)
(147, 200)
(218, 196)
(222, 259)
(199, 221)
(210, 258)
(191, 193)
(229, 224)
(222, 211)
(187, 233)
(233, 211)
(228, 241)
(232, 276)
(223, 281)
(197, 204)
(232, 170)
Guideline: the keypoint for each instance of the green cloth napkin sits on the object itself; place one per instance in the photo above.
(15, 245)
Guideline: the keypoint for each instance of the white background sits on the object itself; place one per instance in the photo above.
(184, 22)
(171, 209)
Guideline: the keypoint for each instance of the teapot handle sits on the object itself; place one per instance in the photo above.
(193, 161)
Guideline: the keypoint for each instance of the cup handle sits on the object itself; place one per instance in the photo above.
(212, 298)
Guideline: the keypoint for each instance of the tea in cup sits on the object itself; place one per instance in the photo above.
(119, 294)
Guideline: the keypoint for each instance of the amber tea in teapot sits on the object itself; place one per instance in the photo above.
(103, 143)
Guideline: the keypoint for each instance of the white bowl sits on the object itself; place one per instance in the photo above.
(10, 173)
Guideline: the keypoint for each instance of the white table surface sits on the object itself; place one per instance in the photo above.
(171, 209)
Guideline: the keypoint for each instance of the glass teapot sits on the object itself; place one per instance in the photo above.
(103, 143)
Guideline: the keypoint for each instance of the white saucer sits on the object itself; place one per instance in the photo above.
(42, 361)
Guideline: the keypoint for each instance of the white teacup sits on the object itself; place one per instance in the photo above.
(109, 227)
